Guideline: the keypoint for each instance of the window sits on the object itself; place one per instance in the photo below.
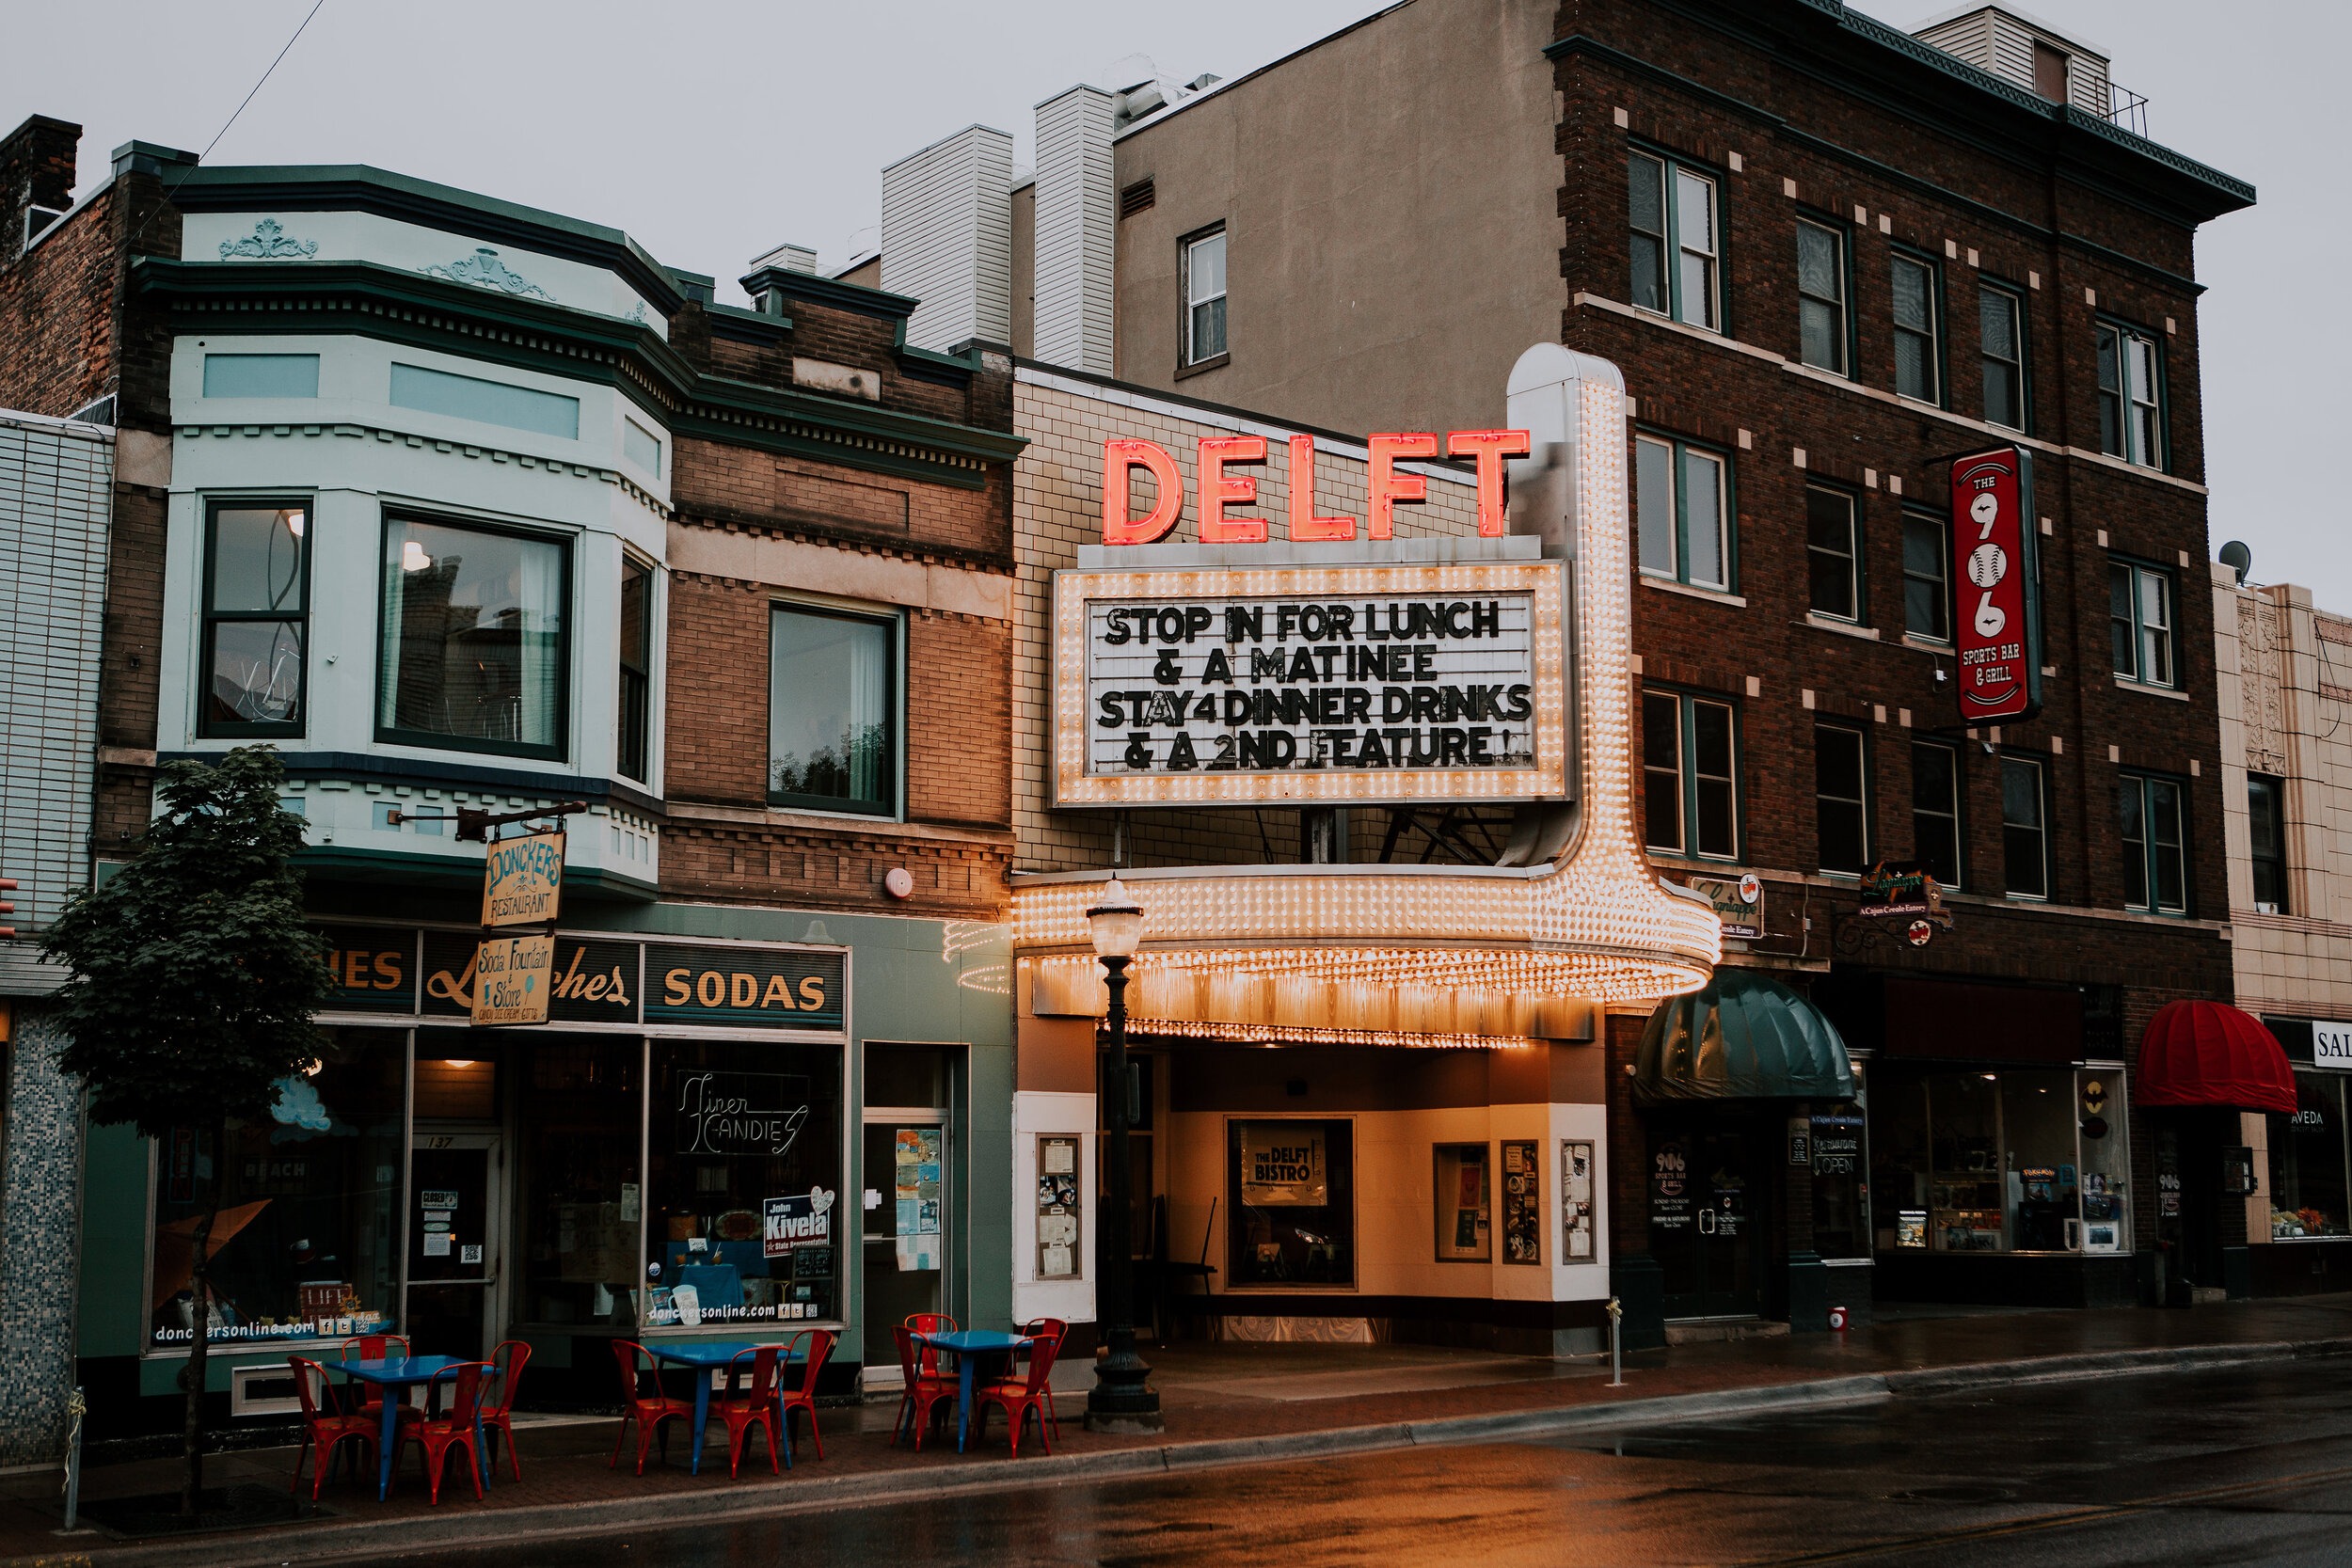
(1841, 821)
(257, 582)
(1841, 1195)
(1821, 297)
(1292, 1196)
(1463, 1204)
(2025, 836)
(1935, 840)
(641, 446)
(1926, 594)
(1918, 349)
(2156, 870)
(2308, 1186)
(1832, 559)
(832, 711)
(2266, 810)
(2001, 345)
(2131, 391)
(1998, 1162)
(474, 639)
(578, 1262)
(1683, 511)
(1688, 781)
(261, 376)
(631, 746)
(2140, 619)
(1204, 298)
(1675, 242)
(467, 397)
(306, 1244)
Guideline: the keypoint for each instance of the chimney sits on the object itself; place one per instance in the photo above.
(1075, 224)
(947, 238)
(791, 258)
(36, 181)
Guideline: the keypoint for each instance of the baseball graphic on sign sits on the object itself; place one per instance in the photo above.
(1987, 564)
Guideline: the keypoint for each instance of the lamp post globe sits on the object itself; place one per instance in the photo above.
(1122, 1398)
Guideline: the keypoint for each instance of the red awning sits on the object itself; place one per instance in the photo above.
(2210, 1053)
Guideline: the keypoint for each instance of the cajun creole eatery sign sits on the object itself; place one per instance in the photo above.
(1998, 630)
(1372, 679)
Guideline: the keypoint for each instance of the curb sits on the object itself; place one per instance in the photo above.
(343, 1540)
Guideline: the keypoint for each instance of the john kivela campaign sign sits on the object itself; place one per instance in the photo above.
(1301, 683)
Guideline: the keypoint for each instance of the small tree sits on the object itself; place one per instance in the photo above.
(193, 982)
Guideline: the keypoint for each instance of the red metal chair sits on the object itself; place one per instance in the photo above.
(324, 1423)
(452, 1429)
(814, 1346)
(635, 1360)
(754, 1407)
(1060, 1329)
(925, 1391)
(931, 1323)
(498, 1410)
(1020, 1396)
(373, 1347)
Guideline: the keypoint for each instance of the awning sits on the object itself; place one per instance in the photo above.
(2210, 1053)
(1745, 1037)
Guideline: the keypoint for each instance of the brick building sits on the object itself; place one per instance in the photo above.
(467, 507)
(1829, 257)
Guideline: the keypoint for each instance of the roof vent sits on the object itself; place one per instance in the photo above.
(1138, 198)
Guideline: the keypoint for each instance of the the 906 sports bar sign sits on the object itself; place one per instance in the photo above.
(1997, 631)
(1296, 683)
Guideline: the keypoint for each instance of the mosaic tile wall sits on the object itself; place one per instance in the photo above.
(40, 1174)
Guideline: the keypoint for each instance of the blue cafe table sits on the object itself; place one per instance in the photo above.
(969, 1347)
(705, 1357)
(392, 1375)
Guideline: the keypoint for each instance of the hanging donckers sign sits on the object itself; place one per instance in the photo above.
(522, 880)
(1997, 628)
(1380, 681)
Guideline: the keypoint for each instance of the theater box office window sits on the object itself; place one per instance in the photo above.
(673, 1153)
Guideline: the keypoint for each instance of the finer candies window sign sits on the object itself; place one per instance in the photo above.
(522, 880)
(1304, 683)
(753, 1114)
(1282, 1166)
(1998, 630)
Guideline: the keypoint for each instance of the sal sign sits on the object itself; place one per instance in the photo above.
(1396, 681)
(1997, 627)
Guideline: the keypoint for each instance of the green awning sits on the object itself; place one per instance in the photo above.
(1745, 1037)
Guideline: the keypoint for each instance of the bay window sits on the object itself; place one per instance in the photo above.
(474, 639)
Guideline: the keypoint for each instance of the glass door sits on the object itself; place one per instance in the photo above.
(1705, 1220)
(455, 1188)
(907, 1237)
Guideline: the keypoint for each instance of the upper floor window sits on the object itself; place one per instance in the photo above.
(2025, 831)
(832, 710)
(2131, 396)
(1677, 246)
(257, 595)
(1689, 779)
(1841, 813)
(2266, 810)
(2001, 347)
(1833, 554)
(475, 639)
(1935, 841)
(261, 376)
(2139, 623)
(2155, 867)
(1822, 327)
(632, 742)
(1926, 587)
(1683, 511)
(1204, 298)
(1919, 330)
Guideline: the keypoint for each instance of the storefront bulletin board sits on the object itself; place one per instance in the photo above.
(1522, 1201)
(1060, 1224)
(1578, 1195)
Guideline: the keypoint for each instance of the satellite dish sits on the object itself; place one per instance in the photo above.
(2238, 558)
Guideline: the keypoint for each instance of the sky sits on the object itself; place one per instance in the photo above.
(715, 130)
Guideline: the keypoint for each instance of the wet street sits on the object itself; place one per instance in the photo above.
(2252, 1466)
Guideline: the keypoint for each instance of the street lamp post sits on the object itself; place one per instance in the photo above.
(1122, 1398)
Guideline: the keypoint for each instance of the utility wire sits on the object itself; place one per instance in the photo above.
(248, 98)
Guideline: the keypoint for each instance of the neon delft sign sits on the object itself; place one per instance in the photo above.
(1220, 489)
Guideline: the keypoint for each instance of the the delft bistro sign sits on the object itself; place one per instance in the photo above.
(1295, 683)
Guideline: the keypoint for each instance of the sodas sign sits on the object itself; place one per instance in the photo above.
(1997, 627)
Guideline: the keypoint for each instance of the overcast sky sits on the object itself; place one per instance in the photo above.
(714, 131)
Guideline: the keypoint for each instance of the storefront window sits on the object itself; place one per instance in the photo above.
(306, 1243)
(579, 1119)
(2308, 1188)
(2022, 1160)
(746, 1172)
(1465, 1203)
(2043, 1195)
(2106, 1160)
(1293, 1198)
(1841, 1205)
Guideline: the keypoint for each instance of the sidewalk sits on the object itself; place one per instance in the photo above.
(1225, 1404)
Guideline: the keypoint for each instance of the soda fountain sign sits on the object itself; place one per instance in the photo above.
(1997, 629)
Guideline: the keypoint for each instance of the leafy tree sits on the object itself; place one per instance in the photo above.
(193, 982)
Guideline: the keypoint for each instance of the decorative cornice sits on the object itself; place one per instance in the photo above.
(269, 243)
(484, 270)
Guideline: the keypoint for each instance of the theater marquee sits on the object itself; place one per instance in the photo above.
(1297, 684)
